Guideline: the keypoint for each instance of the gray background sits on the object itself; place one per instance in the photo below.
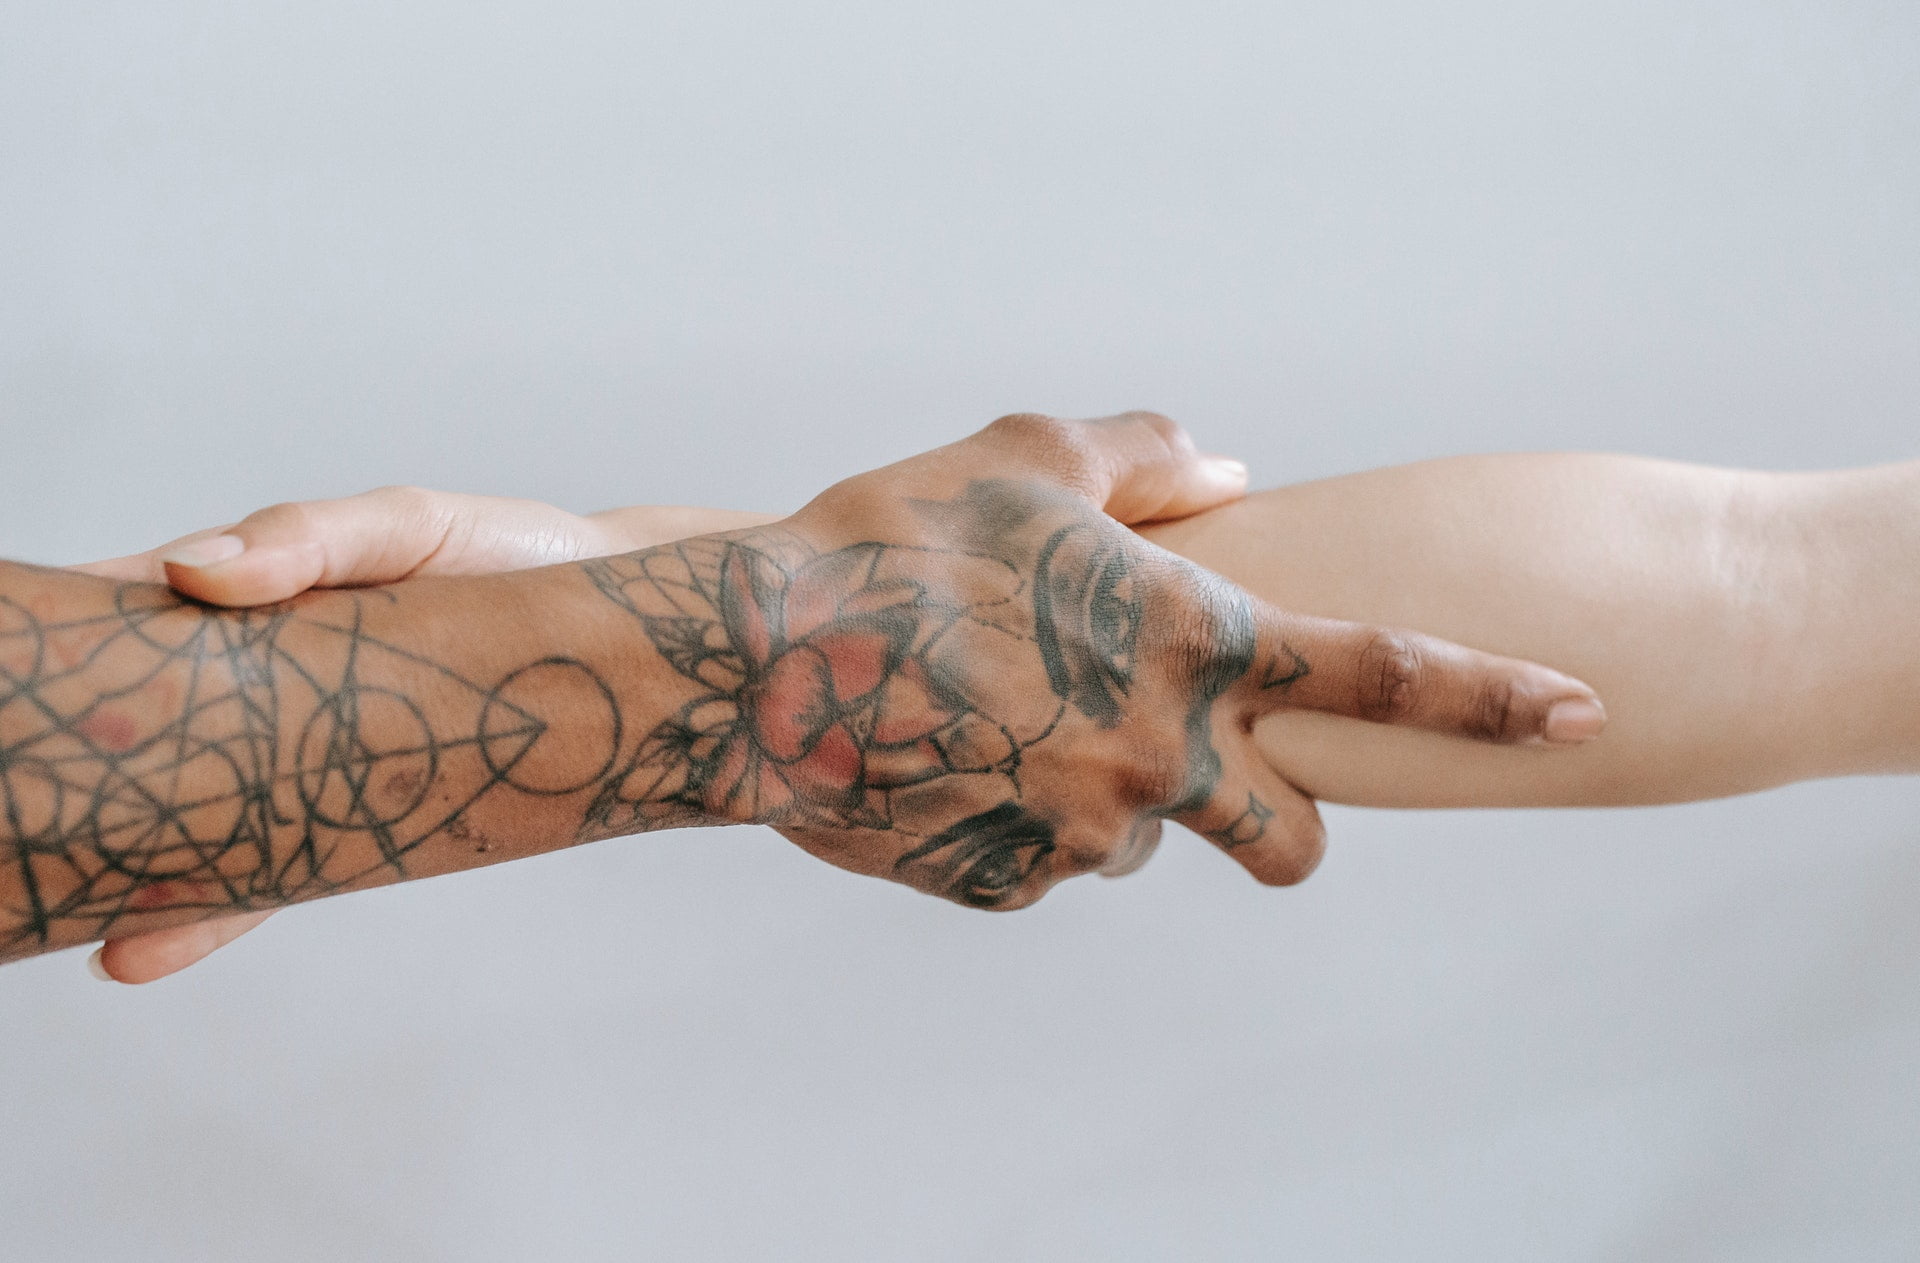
(726, 252)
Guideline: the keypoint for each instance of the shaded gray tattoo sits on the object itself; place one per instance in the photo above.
(982, 860)
(1086, 616)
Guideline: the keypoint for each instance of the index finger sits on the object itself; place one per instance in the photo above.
(1389, 675)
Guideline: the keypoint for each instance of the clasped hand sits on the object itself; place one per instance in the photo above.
(961, 671)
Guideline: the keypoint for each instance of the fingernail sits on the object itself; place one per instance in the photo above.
(1573, 721)
(1226, 469)
(210, 551)
(97, 964)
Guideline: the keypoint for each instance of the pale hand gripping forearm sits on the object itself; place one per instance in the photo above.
(954, 672)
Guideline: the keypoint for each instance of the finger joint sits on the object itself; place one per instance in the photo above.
(1391, 678)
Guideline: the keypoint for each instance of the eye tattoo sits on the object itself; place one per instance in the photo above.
(1087, 611)
(982, 859)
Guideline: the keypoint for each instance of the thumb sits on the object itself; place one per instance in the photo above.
(1136, 466)
(141, 567)
(154, 954)
(379, 536)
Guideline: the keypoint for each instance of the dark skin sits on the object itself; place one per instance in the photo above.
(958, 672)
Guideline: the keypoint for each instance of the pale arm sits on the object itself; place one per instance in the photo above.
(1747, 629)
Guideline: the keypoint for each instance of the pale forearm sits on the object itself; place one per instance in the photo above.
(1744, 629)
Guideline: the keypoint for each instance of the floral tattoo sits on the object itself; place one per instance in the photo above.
(867, 686)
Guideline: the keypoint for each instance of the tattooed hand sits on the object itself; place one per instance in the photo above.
(956, 672)
(960, 672)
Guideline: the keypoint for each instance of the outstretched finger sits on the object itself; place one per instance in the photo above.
(1393, 676)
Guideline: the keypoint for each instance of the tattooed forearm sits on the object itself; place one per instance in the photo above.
(882, 701)
(160, 760)
(974, 683)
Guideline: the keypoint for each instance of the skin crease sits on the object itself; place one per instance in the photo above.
(972, 682)
(1748, 629)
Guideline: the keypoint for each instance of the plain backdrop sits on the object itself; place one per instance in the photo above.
(727, 252)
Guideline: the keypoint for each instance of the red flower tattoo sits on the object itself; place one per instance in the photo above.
(824, 696)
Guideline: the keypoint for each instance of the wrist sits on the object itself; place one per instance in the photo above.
(571, 728)
(679, 678)
(1858, 534)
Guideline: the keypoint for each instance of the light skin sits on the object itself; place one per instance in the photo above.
(957, 672)
(1749, 629)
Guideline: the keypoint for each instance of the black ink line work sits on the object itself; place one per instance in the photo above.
(825, 688)
(904, 688)
(1246, 828)
(983, 859)
(286, 773)
(1285, 678)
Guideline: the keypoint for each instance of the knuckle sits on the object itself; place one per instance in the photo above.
(1134, 849)
(1297, 868)
(862, 498)
(1086, 848)
(1197, 613)
(407, 503)
(1391, 678)
(291, 517)
(399, 494)
(1152, 780)
(1079, 860)
(1170, 432)
(1035, 427)
(1050, 442)
(1493, 713)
